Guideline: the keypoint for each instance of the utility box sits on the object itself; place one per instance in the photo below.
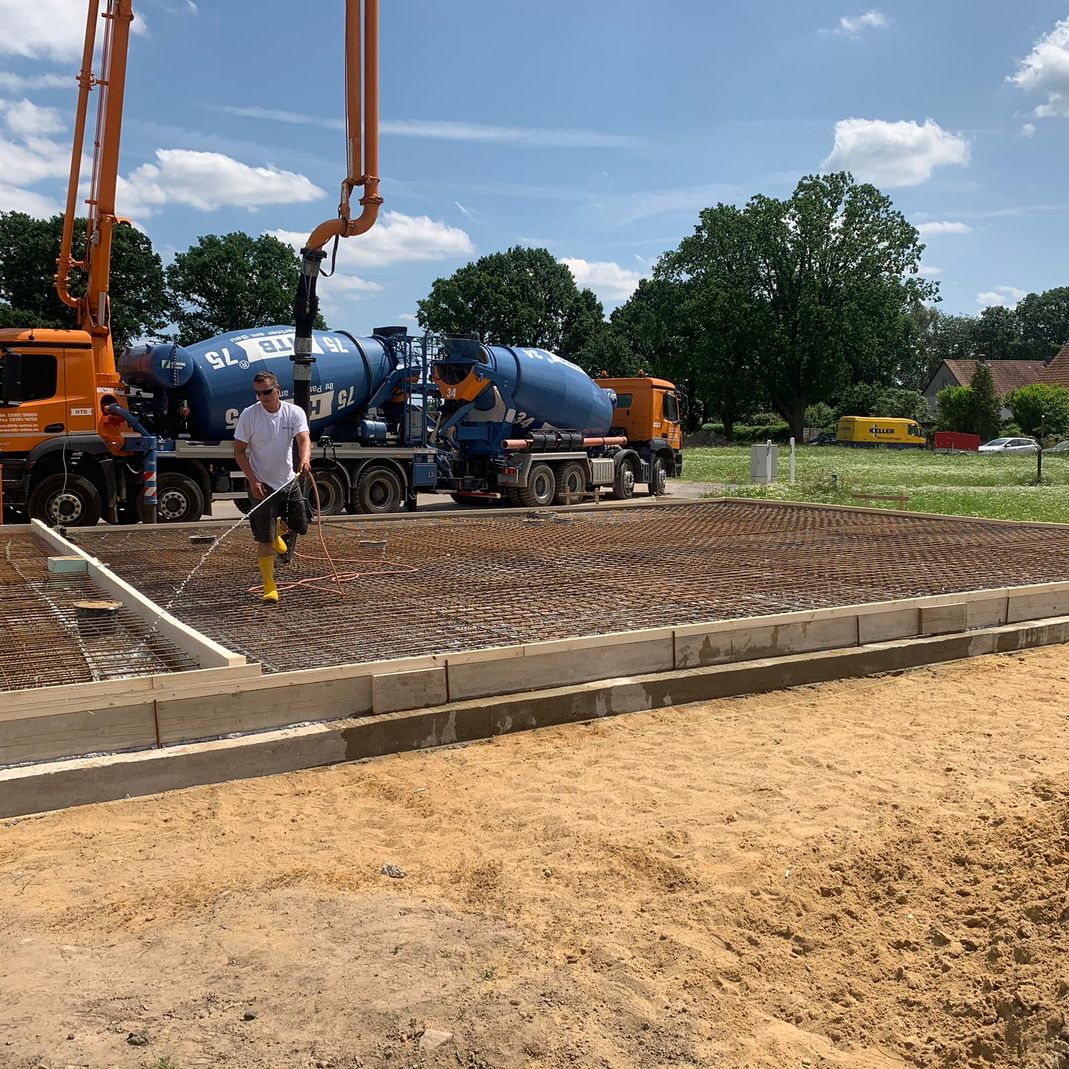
(763, 462)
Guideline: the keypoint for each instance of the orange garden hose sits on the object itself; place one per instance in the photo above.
(338, 578)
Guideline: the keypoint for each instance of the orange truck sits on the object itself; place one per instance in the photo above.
(648, 414)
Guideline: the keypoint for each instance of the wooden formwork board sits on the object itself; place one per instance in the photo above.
(236, 699)
(49, 786)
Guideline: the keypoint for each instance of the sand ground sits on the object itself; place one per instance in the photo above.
(869, 873)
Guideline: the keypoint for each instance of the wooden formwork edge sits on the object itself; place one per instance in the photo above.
(59, 785)
(204, 651)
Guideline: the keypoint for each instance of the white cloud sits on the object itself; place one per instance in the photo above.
(444, 130)
(1028, 129)
(13, 199)
(19, 82)
(26, 119)
(468, 213)
(394, 239)
(33, 159)
(209, 180)
(894, 153)
(608, 280)
(525, 136)
(1008, 296)
(853, 25)
(929, 271)
(927, 229)
(50, 29)
(1045, 70)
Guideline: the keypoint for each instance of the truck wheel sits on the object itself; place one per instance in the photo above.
(658, 484)
(571, 484)
(512, 497)
(67, 500)
(330, 486)
(540, 488)
(178, 498)
(623, 485)
(379, 489)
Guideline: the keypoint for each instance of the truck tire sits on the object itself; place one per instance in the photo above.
(332, 491)
(571, 484)
(623, 484)
(65, 500)
(540, 489)
(178, 498)
(379, 489)
(658, 484)
(512, 497)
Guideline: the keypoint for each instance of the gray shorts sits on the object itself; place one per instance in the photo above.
(288, 505)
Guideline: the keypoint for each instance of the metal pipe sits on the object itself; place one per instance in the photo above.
(148, 466)
(368, 175)
(521, 445)
(65, 260)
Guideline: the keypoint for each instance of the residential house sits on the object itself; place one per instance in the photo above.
(1007, 375)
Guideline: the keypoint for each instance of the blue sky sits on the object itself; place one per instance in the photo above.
(595, 128)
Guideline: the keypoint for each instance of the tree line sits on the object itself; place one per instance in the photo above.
(793, 309)
(790, 309)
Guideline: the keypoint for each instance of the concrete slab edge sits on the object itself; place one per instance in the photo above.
(41, 788)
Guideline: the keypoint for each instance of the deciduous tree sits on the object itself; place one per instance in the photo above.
(519, 297)
(29, 248)
(231, 282)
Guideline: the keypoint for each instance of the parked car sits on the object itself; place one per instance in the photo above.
(1010, 445)
(827, 438)
(1061, 447)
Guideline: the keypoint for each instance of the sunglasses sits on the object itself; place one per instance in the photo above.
(264, 393)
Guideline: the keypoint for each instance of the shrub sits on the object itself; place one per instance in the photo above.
(1040, 402)
(820, 415)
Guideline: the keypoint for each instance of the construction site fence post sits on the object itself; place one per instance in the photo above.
(792, 462)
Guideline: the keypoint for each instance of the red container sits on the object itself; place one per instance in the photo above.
(956, 440)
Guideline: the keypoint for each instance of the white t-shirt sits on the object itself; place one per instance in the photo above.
(269, 437)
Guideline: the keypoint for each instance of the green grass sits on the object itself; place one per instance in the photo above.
(966, 484)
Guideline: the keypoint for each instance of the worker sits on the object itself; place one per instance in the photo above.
(263, 447)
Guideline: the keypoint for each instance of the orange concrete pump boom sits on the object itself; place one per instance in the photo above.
(362, 85)
(92, 307)
(362, 134)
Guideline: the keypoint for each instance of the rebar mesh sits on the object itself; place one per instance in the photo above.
(453, 583)
(46, 642)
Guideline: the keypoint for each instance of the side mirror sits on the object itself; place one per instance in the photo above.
(10, 377)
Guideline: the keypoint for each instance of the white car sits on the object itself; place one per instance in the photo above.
(1010, 445)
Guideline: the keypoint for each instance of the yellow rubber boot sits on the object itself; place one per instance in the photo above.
(279, 545)
(267, 570)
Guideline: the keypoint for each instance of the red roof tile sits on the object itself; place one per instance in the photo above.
(1057, 373)
(1007, 374)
